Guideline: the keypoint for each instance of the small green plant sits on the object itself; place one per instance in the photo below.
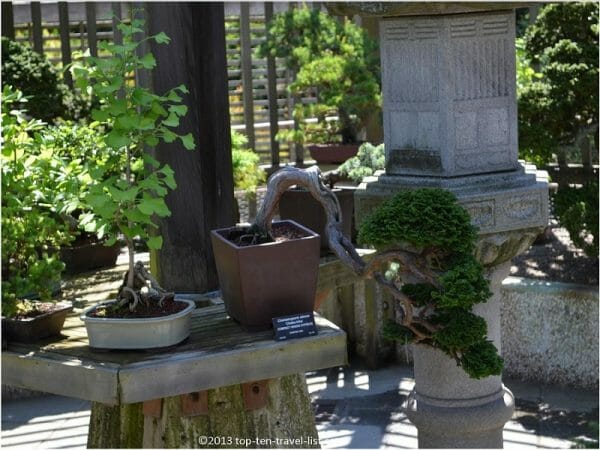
(440, 280)
(577, 211)
(128, 191)
(368, 160)
(35, 190)
(32, 74)
(247, 174)
(337, 62)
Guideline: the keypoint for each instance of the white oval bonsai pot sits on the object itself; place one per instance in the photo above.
(142, 333)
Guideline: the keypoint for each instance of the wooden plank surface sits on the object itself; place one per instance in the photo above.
(217, 353)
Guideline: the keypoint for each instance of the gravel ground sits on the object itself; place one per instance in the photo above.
(555, 259)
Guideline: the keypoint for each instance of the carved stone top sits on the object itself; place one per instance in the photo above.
(396, 9)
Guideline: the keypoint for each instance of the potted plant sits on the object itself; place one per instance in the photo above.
(299, 205)
(426, 244)
(266, 269)
(129, 189)
(32, 229)
(81, 146)
(335, 62)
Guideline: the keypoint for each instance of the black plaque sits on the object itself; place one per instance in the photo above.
(294, 326)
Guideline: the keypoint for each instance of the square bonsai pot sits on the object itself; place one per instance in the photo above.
(263, 281)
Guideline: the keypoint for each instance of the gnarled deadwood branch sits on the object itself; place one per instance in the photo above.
(413, 264)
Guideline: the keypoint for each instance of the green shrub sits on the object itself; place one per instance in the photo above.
(440, 236)
(38, 79)
(577, 211)
(247, 174)
(36, 184)
(560, 102)
(368, 160)
(335, 60)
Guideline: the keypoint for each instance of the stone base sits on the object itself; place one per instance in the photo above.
(497, 202)
(470, 423)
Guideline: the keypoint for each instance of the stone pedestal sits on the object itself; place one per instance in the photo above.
(450, 121)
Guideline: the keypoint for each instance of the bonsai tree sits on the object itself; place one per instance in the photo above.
(368, 160)
(558, 89)
(36, 189)
(335, 61)
(129, 187)
(425, 260)
(438, 277)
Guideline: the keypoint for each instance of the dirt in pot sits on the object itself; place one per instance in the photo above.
(142, 311)
(35, 309)
(282, 231)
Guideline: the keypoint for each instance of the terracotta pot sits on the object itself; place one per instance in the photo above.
(260, 282)
(86, 257)
(299, 205)
(332, 153)
(35, 328)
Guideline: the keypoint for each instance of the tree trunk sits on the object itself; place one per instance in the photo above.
(204, 197)
(286, 421)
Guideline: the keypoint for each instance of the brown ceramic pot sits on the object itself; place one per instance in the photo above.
(260, 282)
(332, 153)
(39, 327)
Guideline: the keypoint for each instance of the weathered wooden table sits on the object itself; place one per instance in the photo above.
(222, 387)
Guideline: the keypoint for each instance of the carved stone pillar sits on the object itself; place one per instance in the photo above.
(450, 121)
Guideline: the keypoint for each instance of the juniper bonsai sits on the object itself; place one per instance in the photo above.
(426, 238)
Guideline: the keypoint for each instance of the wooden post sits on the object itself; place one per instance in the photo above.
(8, 24)
(204, 198)
(116, 18)
(36, 21)
(272, 94)
(248, 92)
(65, 41)
(90, 18)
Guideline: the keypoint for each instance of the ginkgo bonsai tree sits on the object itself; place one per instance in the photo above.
(127, 189)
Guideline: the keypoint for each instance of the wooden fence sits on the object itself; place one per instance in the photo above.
(259, 102)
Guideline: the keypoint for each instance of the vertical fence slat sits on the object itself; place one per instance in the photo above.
(248, 93)
(65, 40)
(117, 35)
(8, 20)
(272, 95)
(36, 32)
(90, 19)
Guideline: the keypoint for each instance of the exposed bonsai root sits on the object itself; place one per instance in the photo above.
(145, 289)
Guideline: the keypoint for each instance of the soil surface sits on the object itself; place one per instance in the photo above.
(40, 308)
(281, 232)
(142, 311)
(556, 259)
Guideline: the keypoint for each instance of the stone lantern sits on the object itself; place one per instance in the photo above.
(450, 121)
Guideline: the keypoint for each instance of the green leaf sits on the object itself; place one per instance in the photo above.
(127, 122)
(152, 205)
(180, 110)
(148, 61)
(182, 88)
(142, 97)
(151, 161)
(168, 136)
(99, 115)
(155, 242)
(116, 140)
(169, 176)
(188, 141)
(171, 121)
(151, 141)
(162, 38)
